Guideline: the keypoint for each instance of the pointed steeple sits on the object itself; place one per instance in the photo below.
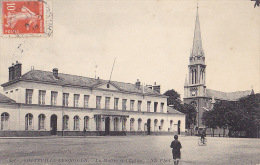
(197, 44)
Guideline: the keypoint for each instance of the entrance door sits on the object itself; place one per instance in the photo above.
(107, 125)
(179, 127)
(53, 124)
(148, 126)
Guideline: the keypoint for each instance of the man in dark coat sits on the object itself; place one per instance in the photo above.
(176, 150)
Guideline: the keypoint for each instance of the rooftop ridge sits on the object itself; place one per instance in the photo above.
(229, 92)
(63, 74)
(240, 91)
(82, 81)
(229, 96)
(82, 76)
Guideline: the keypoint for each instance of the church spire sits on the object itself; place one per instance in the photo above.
(197, 44)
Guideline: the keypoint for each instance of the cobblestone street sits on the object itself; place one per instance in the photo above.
(127, 150)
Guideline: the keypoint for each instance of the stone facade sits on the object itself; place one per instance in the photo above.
(52, 103)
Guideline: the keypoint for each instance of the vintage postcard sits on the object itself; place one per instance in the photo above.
(129, 82)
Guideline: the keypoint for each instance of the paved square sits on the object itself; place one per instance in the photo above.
(127, 150)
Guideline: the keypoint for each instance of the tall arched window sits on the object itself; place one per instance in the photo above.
(161, 127)
(171, 123)
(41, 121)
(202, 75)
(195, 76)
(98, 122)
(65, 122)
(155, 124)
(124, 124)
(192, 77)
(28, 121)
(132, 120)
(4, 121)
(86, 123)
(139, 124)
(116, 121)
(76, 123)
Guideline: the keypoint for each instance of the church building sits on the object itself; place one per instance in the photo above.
(195, 90)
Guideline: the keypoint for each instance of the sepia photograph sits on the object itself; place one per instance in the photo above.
(130, 82)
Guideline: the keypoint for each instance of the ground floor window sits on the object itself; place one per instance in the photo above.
(124, 124)
(171, 124)
(132, 120)
(161, 127)
(98, 123)
(139, 124)
(4, 121)
(76, 123)
(28, 121)
(116, 121)
(65, 122)
(155, 124)
(41, 121)
(179, 126)
(86, 123)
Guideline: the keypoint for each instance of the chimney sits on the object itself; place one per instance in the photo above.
(11, 72)
(55, 72)
(17, 70)
(138, 84)
(157, 88)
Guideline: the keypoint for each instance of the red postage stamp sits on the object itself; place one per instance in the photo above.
(25, 18)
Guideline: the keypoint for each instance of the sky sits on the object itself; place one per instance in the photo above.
(149, 40)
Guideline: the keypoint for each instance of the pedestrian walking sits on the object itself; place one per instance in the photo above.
(176, 150)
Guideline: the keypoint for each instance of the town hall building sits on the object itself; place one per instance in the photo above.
(42, 103)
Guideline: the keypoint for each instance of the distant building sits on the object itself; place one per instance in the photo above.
(195, 91)
(42, 103)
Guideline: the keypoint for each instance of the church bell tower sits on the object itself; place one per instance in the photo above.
(194, 86)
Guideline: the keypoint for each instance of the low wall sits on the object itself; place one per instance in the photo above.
(24, 133)
(81, 133)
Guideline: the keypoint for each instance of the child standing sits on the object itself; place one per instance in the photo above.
(176, 150)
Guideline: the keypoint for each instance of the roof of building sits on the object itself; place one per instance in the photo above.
(232, 96)
(80, 81)
(173, 111)
(5, 99)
